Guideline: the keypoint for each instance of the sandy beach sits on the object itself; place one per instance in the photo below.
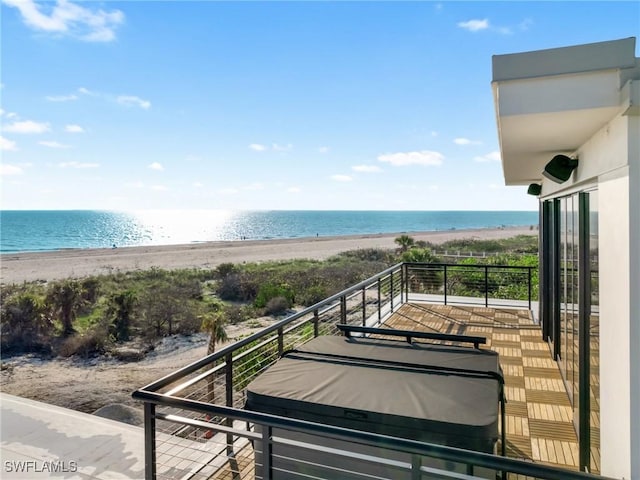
(45, 266)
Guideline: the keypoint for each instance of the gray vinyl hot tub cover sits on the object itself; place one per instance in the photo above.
(419, 391)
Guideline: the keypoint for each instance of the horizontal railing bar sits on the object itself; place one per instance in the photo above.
(172, 377)
(477, 267)
(194, 380)
(413, 334)
(452, 454)
(208, 426)
(342, 453)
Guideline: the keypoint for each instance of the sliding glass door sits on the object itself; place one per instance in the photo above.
(569, 276)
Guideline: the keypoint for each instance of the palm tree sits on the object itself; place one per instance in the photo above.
(120, 311)
(213, 322)
(405, 242)
(25, 322)
(66, 299)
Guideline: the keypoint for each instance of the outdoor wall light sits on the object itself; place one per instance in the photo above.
(534, 189)
(559, 168)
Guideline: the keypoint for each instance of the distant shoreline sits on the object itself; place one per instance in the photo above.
(21, 267)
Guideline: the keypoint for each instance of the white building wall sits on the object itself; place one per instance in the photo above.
(615, 368)
(611, 160)
(634, 337)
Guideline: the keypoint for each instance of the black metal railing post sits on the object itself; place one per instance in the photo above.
(529, 270)
(267, 452)
(149, 441)
(343, 309)
(229, 398)
(405, 282)
(280, 341)
(445, 284)
(316, 321)
(391, 288)
(486, 286)
(364, 307)
(379, 301)
(402, 271)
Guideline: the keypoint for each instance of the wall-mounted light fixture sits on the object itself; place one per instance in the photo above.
(559, 168)
(534, 189)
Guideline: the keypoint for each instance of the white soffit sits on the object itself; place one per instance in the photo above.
(539, 118)
(552, 101)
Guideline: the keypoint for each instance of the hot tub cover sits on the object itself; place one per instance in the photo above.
(437, 393)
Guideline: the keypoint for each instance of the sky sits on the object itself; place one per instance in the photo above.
(268, 105)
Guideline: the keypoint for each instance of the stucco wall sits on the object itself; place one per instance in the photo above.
(615, 367)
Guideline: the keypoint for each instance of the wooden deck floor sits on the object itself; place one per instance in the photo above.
(539, 424)
(539, 416)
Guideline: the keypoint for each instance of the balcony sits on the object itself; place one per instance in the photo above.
(196, 425)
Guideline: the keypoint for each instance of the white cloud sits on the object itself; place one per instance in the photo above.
(61, 98)
(155, 166)
(294, 190)
(254, 186)
(53, 144)
(489, 157)
(424, 157)
(477, 25)
(137, 184)
(466, 141)
(7, 145)
(74, 128)
(133, 101)
(68, 18)
(85, 91)
(229, 191)
(198, 184)
(323, 149)
(276, 147)
(27, 126)
(341, 178)
(6, 169)
(159, 188)
(474, 25)
(75, 164)
(366, 168)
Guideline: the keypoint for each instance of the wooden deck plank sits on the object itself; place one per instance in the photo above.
(539, 416)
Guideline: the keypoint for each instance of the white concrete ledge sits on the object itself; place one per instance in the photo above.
(46, 441)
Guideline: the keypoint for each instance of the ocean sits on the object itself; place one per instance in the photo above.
(45, 230)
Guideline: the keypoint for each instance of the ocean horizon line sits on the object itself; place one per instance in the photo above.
(46, 230)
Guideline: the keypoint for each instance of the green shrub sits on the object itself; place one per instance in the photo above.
(269, 291)
(276, 306)
(312, 295)
(237, 287)
(25, 324)
(225, 269)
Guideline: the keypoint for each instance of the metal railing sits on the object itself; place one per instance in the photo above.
(488, 285)
(196, 427)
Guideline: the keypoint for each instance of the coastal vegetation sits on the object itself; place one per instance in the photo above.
(94, 315)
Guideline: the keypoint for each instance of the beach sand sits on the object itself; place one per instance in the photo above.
(78, 263)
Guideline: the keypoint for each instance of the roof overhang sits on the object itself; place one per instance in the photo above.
(552, 101)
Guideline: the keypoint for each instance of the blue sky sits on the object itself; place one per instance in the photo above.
(273, 105)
